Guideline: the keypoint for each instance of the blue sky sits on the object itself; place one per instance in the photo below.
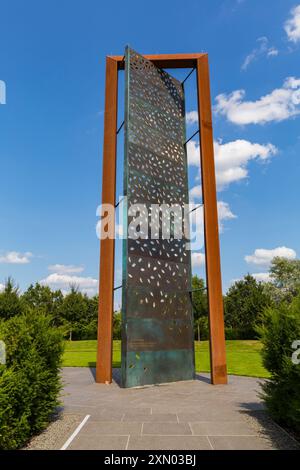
(52, 60)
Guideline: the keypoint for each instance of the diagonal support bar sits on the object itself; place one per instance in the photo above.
(188, 76)
(190, 138)
(211, 231)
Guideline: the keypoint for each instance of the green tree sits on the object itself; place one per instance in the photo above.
(200, 308)
(90, 323)
(30, 381)
(74, 313)
(285, 279)
(117, 325)
(10, 303)
(44, 299)
(201, 328)
(244, 304)
(280, 334)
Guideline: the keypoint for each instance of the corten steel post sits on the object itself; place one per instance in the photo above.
(107, 247)
(211, 231)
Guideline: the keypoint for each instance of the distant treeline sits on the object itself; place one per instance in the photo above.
(244, 303)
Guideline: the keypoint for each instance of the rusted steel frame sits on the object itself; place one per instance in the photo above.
(166, 61)
(107, 246)
(212, 250)
(211, 231)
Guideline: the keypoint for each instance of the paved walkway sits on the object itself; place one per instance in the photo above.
(183, 415)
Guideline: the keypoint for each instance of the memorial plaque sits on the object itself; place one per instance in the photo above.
(157, 323)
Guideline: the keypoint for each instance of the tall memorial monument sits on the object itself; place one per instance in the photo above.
(157, 319)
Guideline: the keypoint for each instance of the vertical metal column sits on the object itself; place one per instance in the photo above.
(107, 247)
(211, 231)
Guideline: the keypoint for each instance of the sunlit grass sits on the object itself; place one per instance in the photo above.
(243, 357)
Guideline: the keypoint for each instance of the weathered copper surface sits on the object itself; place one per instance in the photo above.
(157, 341)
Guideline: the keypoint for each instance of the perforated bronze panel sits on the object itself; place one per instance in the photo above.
(157, 335)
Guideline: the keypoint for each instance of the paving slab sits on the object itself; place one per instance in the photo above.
(167, 429)
(100, 442)
(108, 415)
(150, 418)
(168, 443)
(226, 428)
(110, 428)
(191, 415)
(239, 443)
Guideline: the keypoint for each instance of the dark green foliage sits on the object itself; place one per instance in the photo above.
(75, 312)
(238, 333)
(199, 297)
(30, 380)
(244, 304)
(282, 393)
(201, 328)
(10, 303)
(44, 299)
(14, 408)
(200, 308)
(91, 326)
(117, 325)
(79, 315)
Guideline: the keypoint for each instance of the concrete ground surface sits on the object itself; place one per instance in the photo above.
(192, 415)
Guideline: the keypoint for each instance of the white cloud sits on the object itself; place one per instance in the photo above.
(282, 103)
(262, 277)
(224, 211)
(196, 193)
(292, 25)
(14, 257)
(191, 117)
(263, 49)
(263, 257)
(196, 217)
(64, 281)
(2, 287)
(272, 52)
(198, 259)
(193, 153)
(231, 160)
(65, 269)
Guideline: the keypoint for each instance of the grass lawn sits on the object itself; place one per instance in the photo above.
(243, 357)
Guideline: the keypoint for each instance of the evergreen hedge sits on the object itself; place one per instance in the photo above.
(282, 392)
(30, 380)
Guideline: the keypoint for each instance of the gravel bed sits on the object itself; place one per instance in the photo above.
(277, 437)
(56, 433)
